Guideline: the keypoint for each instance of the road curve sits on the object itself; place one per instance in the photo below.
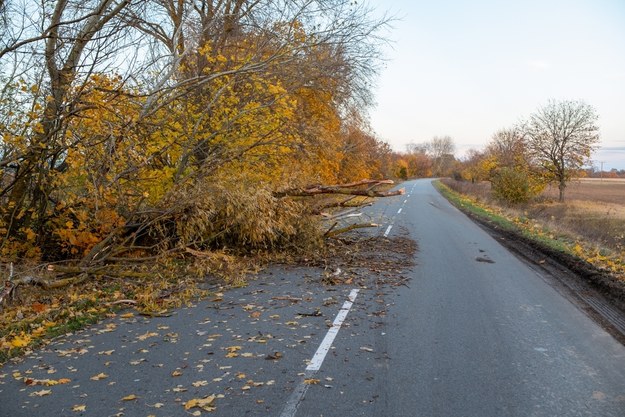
(478, 333)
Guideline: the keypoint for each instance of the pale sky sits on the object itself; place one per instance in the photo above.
(467, 68)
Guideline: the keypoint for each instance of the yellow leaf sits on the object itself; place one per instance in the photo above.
(203, 403)
(99, 376)
(40, 393)
(311, 381)
(200, 383)
(130, 397)
(20, 341)
(147, 335)
(176, 373)
(127, 315)
(80, 407)
(39, 331)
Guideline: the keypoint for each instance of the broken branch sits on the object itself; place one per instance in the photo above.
(345, 189)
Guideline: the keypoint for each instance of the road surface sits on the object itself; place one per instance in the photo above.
(476, 332)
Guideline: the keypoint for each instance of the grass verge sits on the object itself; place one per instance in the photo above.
(518, 225)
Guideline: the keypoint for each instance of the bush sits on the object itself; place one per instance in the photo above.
(511, 186)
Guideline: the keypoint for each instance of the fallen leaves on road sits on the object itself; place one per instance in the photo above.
(147, 335)
(311, 381)
(46, 382)
(70, 352)
(41, 393)
(79, 407)
(205, 403)
(130, 397)
(99, 376)
(274, 356)
(232, 351)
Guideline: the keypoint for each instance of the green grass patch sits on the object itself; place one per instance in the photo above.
(519, 225)
(74, 323)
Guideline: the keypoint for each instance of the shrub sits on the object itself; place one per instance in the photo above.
(511, 186)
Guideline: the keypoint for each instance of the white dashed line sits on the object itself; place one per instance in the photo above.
(388, 230)
(399, 211)
(325, 345)
(315, 364)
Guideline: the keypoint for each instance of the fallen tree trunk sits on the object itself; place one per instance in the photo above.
(332, 232)
(345, 189)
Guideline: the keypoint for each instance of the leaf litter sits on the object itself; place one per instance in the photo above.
(216, 330)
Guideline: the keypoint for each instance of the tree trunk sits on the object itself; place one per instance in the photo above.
(561, 187)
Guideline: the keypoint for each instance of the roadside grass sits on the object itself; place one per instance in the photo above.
(36, 315)
(549, 224)
(518, 224)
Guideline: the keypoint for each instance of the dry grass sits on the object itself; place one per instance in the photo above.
(594, 211)
(592, 189)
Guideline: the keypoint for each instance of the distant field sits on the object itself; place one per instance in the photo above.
(593, 211)
(592, 189)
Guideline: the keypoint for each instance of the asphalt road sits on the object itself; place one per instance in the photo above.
(476, 332)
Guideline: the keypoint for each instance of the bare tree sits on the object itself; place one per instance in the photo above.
(417, 148)
(561, 136)
(441, 149)
(509, 148)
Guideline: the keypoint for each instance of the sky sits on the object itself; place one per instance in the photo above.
(467, 68)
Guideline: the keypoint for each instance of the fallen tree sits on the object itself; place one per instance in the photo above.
(346, 189)
(198, 221)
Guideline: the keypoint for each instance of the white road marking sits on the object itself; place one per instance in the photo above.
(399, 211)
(320, 354)
(405, 201)
(315, 364)
(388, 230)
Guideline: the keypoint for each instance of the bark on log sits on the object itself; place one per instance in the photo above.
(335, 232)
(345, 189)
